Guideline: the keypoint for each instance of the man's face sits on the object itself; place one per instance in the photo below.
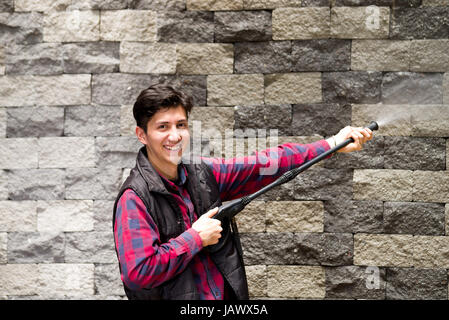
(167, 137)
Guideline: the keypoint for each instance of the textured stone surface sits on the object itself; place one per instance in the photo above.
(380, 3)
(340, 87)
(307, 248)
(352, 282)
(387, 185)
(160, 5)
(66, 280)
(323, 184)
(431, 252)
(430, 120)
(234, 26)
(3, 247)
(257, 280)
(430, 186)
(211, 58)
(214, 5)
(264, 117)
(412, 88)
(429, 55)
(212, 121)
(315, 23)
(3, 122)
(420, 23)
(17, 153)
(263, 57)
(35, 121)
(39, 5)
(416, 284)
(295, 216)
(42, 58)
(66, 152)
(141, 57)
(235, 89)
(6, 5)
(296, 282)
(65, 216)
(19, 279)
(293, 88)
(414, 218)
(353, 216)
(92, 183)
(380, 55)
(36, 247)
(18, 216)
(446, 88)
(128, 25)
(45, 184)
(90, 247)
(270, 4)
(414, 153)
(322, 119)
(185, 26)
(360, 22)
(92, 121)
(252, 218)
(45, 90)
(91, 57)
(321, 55)
(383, 250)
(107, 279)
(116, 89)
(21, 28)
(99, 4)
(118, 152)
(72, 26)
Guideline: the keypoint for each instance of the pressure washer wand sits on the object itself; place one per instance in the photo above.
(233, 207)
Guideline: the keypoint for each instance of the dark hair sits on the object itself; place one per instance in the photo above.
(156, 97)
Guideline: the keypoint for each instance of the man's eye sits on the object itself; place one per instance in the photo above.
(182, 125)
(162, 126)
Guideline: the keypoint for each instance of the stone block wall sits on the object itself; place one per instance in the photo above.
(368, 225)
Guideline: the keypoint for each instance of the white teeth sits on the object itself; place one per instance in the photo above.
(176, 148)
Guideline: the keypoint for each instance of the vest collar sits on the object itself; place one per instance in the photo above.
(149, 173)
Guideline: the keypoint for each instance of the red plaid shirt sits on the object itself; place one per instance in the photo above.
(146, 262)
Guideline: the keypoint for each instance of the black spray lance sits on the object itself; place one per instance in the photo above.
(233, 207)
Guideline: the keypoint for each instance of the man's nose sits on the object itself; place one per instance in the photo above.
(174, 135)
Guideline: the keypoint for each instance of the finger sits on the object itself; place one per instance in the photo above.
(212, 212)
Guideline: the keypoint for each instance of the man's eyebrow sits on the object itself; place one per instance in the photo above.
(163, 122)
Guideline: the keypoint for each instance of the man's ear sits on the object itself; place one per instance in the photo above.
(141, 135)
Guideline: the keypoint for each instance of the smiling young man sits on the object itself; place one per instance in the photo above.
(165, 236)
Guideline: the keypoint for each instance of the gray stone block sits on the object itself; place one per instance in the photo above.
(264, 117)
(353, 216)
(35, 247)
(35, 121)
(415, 153)
(100, 4)
(352, 87)
(321, 55)
(90, 247)
(262, 57)
(321, 119)
(92, 183)
(412, 88)
(379, 3)
(353, 282)
(414, 218)
(416, 284)
(420, 23)
(157, 5)
(119, 88)
(242, 26)
(116, 152)
(83, 121)
(186, 26)
(41, 58)
(6, 5)
(91, 57)
(35, 184)
(21, 28)
(323, 184)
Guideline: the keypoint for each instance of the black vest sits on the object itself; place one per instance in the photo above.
(204, 193)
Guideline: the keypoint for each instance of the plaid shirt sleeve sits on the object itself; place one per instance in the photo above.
(144, 261)
(238, 177)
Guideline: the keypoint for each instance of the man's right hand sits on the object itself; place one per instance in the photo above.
(208, 229)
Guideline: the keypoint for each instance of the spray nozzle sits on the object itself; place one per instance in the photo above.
(373, 125)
